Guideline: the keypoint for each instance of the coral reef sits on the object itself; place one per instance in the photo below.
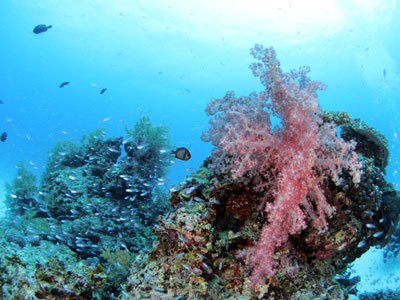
(392, 249)
(381, 295)
(196, 254)
(21, 192)
(47, 271)
(290, 196)
(94, 200)
(272, 213)
(370, 142)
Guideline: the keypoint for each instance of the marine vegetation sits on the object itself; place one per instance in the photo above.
(21, 192)
(279, 209)
(94, 199)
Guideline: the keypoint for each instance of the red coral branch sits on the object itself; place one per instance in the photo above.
(300, 150)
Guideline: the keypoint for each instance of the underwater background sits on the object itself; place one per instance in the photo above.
(167, 59)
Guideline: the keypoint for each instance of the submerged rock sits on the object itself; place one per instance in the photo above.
(370, 142)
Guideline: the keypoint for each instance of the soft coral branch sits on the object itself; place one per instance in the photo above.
(301, 151)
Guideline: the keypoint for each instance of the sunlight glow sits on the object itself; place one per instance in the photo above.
(235, 19)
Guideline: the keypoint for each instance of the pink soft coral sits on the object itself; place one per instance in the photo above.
(301, 152)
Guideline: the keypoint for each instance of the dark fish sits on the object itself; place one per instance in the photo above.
(102, 91)
(1, 101)
(384, 73)
(182, 153)
(64, 84)
(3, 136)
(41, 28)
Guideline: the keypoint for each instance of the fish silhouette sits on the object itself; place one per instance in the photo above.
(41, 28)
(3, 136)
(64, 84)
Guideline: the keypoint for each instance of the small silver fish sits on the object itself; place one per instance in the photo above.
(178, 255)
(144, 193)
(215, 201)
(362, 244)
(174, 188)
(206, 268)
(242, 297)
(187, 267)
(113, 150)
(182, 239)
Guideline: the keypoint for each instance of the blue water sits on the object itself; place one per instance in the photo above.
(166, 59)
